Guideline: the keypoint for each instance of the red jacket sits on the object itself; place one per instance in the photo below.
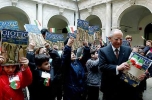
(7, 93)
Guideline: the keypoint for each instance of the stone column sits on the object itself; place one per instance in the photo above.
(39, 13)
(108, 18)
(103, 34)
(76, 18)
(115, 27)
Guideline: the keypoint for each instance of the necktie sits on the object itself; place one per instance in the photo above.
(116, 50)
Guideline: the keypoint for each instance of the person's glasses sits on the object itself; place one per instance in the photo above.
(117, 39)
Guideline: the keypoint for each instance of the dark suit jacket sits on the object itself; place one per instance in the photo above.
(110, 82)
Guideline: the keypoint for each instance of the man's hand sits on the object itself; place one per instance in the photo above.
(123, 66)
(142, 77)
(47, 45)
(24, 61)
(1, 59)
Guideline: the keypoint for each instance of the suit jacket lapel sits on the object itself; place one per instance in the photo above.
(112, 54)
(121, 55)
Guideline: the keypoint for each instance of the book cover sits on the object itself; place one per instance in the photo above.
(138, 66)
(55, 39)
(37, 39)
(35, 35)
(32, 28)
(9, 24)
(13, 45)
(74, 35)
(82, 29)
(97, 35)
(91, 34)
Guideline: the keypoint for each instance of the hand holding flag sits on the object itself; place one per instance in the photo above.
(143, 38)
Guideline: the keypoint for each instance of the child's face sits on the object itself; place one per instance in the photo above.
(9, 69)
(45, 66)
(148, 44)
(42, 51)
(73, 57)
(98, 47)
(129, 39)
(95, 56)
(142, 53)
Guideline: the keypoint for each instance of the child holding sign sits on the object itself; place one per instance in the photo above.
(13, 78)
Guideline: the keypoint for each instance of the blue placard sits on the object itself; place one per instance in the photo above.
(74, 35)
(32, 28)
(10, 24)
(15, 37)
(96, 28)
(85, 25)
(80, 23)
(53, 37)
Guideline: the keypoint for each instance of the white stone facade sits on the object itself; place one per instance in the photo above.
(128, 15)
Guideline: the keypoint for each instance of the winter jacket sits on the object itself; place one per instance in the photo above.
(7, 93)
(56, 60)
(40, 90)
(74, 76)
(93, 77)
(146, 49)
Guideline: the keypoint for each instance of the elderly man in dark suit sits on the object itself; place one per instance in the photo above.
(112, 61)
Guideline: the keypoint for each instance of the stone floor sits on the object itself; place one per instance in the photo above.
(147, 94)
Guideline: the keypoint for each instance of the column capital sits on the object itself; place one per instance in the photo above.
(90, 10)
(132, 2)
(108, 2)
(115, 27)
(61, 10)
(40, 2)
(14, 2)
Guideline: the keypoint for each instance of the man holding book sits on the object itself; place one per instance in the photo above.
(112, 62)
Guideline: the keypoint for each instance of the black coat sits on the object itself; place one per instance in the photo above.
(111, 83)
(56, 60)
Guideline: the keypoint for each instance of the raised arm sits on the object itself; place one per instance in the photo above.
(25, 74)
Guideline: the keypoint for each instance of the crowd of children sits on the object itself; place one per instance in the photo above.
(69, 75)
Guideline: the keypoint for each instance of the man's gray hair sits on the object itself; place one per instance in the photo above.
(115, 31)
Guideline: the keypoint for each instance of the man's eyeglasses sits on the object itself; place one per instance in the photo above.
(117, 39)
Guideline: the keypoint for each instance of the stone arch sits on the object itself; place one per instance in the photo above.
(57, 21)
(123, 8)
(95, 15)
(143, 23)
(48, 17)
(15, 13)
(92, 17)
